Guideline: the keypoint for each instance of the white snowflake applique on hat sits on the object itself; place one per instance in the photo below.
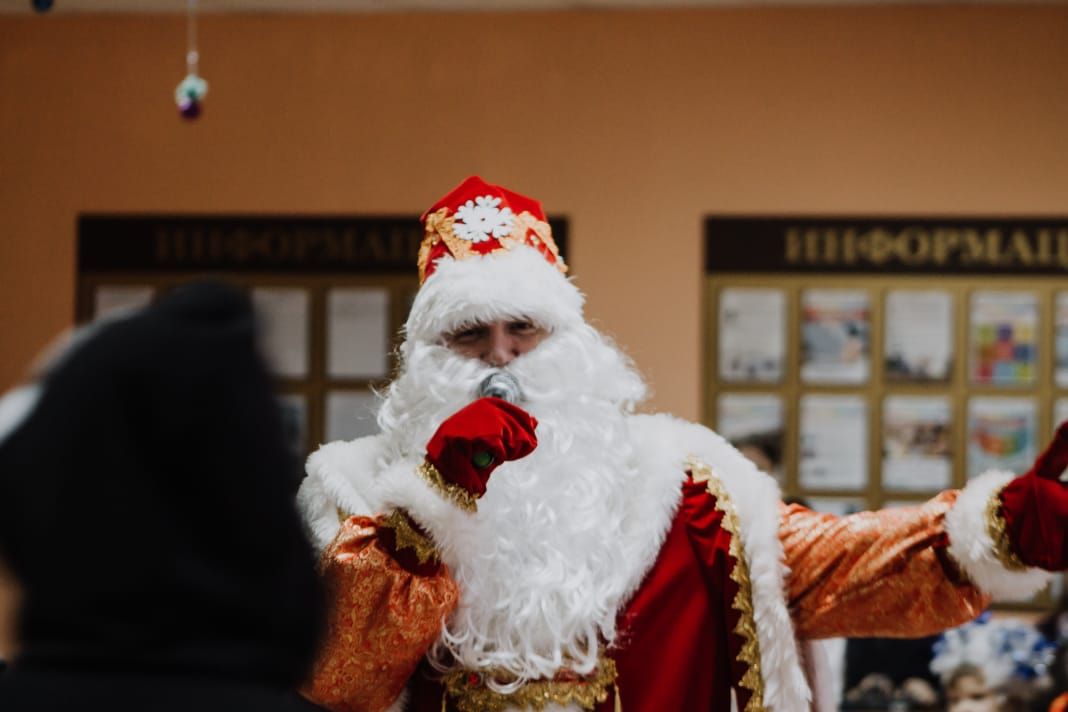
(478, 220)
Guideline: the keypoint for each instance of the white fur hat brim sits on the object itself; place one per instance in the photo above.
(501, 285)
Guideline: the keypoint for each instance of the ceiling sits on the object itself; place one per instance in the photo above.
(164, 6)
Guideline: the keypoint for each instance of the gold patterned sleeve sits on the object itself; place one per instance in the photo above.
(382, 616)
(884, 574)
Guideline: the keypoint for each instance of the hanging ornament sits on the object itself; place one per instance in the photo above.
(189, 94)
(191, 91)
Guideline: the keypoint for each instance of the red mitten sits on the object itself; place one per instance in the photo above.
(474, 440)
(1035, 507)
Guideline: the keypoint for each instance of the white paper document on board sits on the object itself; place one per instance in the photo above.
(357, 333)
(283, 322)
(834, 442)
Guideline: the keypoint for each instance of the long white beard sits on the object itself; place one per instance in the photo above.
(540, 565)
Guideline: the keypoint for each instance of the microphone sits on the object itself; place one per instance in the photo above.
(501, 384)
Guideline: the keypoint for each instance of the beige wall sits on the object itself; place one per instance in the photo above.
(634, 124)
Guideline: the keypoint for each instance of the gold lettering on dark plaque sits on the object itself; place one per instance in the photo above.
(793, 245)
(1019, 249)
(829, 253)
(849, 246)
(164, 243)
(973, 244)
(993, 245)
(350, 242)
(1043, 247)
(374, 246)
(1062, 248)
(881, 245)
(945, 242)
(913, 246)
(923, 246)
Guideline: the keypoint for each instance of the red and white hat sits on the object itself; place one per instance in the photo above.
(489, 254)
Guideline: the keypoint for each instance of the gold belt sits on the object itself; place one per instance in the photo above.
(468, 690)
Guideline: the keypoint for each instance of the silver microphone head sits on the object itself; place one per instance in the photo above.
(501, 384)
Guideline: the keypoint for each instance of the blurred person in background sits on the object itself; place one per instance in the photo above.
(764, 451)
(1055, 627)
(517, 537)
(1059, 678)
(890, 669)
(968, 690)
(146, 513)
(992, 665)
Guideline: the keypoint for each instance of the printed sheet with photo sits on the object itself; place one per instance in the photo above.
(835, 331)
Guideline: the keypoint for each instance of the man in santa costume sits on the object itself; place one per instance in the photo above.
(560, 552)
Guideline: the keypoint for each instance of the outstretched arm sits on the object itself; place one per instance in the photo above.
(884, 573)
(917, 570)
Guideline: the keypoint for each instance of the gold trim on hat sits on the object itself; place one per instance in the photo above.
(439, 228)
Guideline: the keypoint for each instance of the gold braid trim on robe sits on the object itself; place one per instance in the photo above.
(749, 654)
(881, 574)
(410, 537)
(381, 620)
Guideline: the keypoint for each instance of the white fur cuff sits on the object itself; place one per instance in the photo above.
(972, 547)
(340, 482)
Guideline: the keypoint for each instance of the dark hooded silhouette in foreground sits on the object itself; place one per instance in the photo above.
(146, 510)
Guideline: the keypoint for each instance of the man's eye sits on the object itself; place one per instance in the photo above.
(466, 336)
(522, 327)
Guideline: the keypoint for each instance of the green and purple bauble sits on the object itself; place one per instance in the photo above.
(190, 92)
